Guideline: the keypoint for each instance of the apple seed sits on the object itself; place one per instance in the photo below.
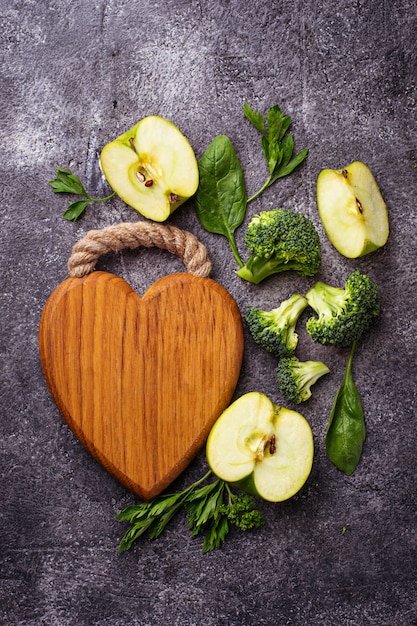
(149, 183)
(272, 445)
(140, 176)
(132, 144)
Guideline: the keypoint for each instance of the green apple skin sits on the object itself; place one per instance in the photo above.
(352, 210)
(262, 448)
(152, 167)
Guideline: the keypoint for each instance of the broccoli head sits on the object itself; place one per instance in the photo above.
(343, 314)
(280, 240)
(295, 378)
(275, 330)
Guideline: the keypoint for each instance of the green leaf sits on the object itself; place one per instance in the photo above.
(216, 535)
(133, 534)
(67, 182)
(277, 146)
(133, 512)
(278, 124)
(205, 491)
(209, 507)
(162, 521)
(254, 117)
(201, 504)
(290, 167)
(221, 197)
(265, 148)
(161, 504)
(75, 209)
(275, 157)
(287, 146)
(346, 428)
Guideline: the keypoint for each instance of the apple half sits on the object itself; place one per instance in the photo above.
(352, 210)
(152, 167)
(262, 448)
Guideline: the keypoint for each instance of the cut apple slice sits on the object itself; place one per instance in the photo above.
(152, 167)
(262, 448)
(352, 210)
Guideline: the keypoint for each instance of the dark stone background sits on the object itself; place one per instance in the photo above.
(75, 75)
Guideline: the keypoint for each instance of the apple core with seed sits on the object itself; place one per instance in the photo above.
(262, 448)
(152, 167)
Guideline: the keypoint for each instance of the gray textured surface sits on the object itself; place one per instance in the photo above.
(76, 74)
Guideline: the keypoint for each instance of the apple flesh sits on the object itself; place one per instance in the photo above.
(352, 210)
(262, 448)
(152, 167)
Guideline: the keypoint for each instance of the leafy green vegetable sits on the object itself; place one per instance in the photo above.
(210, 509)
(75, 209)
(277, 144)
(67, 182)
(346, 427)
(221, 197)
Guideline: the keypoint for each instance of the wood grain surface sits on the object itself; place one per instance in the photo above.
(141, 380)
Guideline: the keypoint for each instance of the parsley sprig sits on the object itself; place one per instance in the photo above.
(277, 144)
(67, 182)
(210, 509)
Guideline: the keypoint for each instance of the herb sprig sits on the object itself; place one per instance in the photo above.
(210, 509)
(67, 182)
(277, 144)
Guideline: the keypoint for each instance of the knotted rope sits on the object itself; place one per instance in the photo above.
(184, 244)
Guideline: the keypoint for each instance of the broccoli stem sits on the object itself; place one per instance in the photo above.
(257, 269)
(248, 275)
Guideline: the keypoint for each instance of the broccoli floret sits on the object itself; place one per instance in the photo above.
(295, 378)
(275, 330)
(280, 240)
(343, 314)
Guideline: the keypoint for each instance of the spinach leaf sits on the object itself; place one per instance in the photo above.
(220, 200)
(346, 427)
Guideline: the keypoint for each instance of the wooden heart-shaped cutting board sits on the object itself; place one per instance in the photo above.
(141, 380)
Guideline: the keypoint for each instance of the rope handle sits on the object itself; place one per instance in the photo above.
(184, 244)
